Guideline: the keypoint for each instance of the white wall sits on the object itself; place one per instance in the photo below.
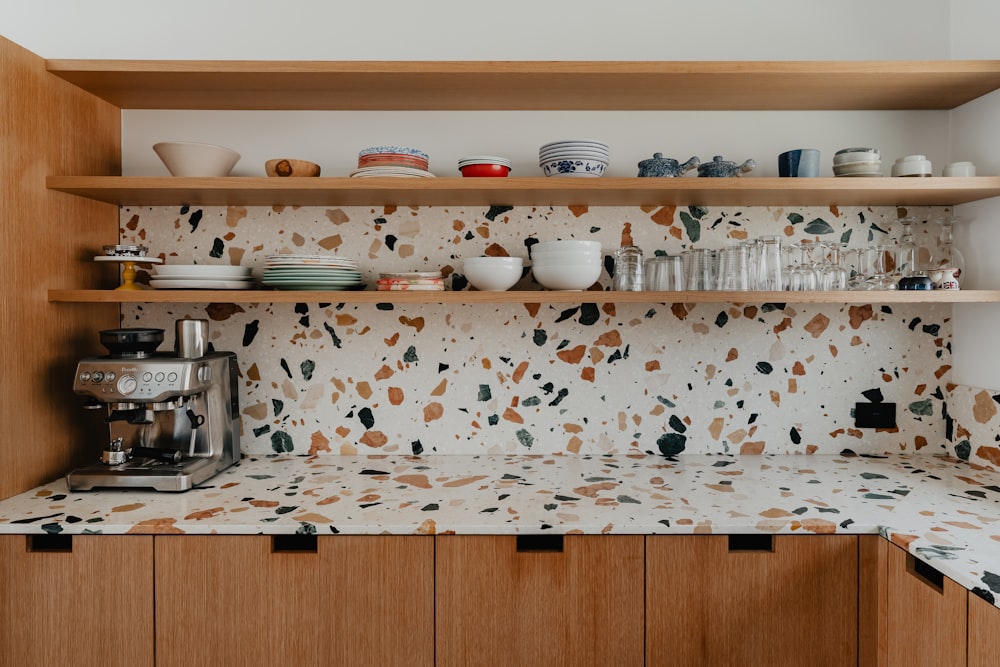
(468, 30)
(974, 135)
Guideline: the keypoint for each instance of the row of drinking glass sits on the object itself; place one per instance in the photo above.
(767, 264)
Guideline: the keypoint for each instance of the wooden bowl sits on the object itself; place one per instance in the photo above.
(288, 167)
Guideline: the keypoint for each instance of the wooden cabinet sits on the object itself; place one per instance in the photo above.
(984, 632)
(80, 600)
(926, 615)
(294, 600)
(751, 600)
(539, 600)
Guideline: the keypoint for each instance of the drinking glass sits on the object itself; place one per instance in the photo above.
(880, 273)
(628, 270)
(733, 272)
(767, 263)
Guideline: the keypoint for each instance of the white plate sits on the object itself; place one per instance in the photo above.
(391, 171)
(195, 276)
(134, 260)
(217, 271)
(200, 284)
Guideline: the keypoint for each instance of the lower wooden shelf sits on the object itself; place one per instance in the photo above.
(472, 297)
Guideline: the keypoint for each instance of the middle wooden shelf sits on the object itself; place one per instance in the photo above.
(520, 296)
(530, 191)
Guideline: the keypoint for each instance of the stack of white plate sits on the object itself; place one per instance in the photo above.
(201, 276)
(311, 272)
(392, 161)
(574, 158)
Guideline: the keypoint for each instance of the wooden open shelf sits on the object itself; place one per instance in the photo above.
(354, 85)
(541, 191)
(472, 297)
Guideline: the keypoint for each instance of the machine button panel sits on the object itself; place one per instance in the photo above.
(127, 384)
(97, 377)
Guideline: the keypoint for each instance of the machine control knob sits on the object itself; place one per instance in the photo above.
(205, 373)
(127, 384)
(98, 376)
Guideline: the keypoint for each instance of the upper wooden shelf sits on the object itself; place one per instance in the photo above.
(541, 191)
(473, 297)
(532, 85)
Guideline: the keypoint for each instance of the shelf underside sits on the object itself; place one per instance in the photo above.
(465, 85)
(685, 191)
(473, 297)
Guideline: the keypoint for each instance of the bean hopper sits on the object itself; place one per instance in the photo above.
(173, 419)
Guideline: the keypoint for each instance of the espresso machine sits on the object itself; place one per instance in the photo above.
(173, 419)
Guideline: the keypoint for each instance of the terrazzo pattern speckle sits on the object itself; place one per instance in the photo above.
(974, 425)
(942, 510)
(667, 379)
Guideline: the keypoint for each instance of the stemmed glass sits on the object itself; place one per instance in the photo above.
(834, 274)
(878, 263)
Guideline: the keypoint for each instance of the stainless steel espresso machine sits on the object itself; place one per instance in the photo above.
(173, 419)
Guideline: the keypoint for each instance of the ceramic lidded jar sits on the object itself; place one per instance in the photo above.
(719, 168)
(665, 167)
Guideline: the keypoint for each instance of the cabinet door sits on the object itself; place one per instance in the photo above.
(751, 600)
(294, 600)
(984, 632)
(76, 600)
(539, 600)
(926, 615)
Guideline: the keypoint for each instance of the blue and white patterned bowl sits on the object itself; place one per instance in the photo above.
(574, 167)
(397, 150)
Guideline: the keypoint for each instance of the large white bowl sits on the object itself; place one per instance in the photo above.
(566, 277)
(188, 158)
(573, 167)
(573, 244)
(492, 274)
(565, 256)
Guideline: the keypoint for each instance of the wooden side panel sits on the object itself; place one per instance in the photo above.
(48, 127)
(499, 606)
(90, 606)
(984, 633)
(926, 624)
(873, 600)
(356, 600)
(795, 605)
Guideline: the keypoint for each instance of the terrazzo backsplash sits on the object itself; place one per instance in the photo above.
(580, 378)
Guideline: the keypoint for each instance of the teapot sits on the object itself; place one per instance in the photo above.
(665, 167)
(719, 168)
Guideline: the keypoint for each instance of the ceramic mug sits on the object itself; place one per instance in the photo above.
(799, 163)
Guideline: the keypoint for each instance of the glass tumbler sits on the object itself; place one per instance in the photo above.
(629, 273)
(767, 263)
(733, 271)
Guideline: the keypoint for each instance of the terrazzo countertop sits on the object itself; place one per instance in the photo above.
(942, 510)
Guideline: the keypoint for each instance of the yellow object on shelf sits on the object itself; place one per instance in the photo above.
(128, 270)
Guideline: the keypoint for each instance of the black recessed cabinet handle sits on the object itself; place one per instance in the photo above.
(300, 544)
(50, 543)
(539, 544)
(925, 573)
(752, 542)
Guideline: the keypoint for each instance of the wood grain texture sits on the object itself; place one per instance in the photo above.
(873, 600)
(48, 126)
(926, 626)
(515, 296)
(357, 600)
(984, 633)
(92, 606)
(796, 605)
(526, 191)
(496, 606)
(410, 85)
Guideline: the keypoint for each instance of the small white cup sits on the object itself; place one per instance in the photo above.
(959, 169)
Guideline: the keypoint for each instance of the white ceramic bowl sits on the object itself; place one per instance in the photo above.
(492, 274)
(566, 277)
(574, 168)
(857, 168)
(573, 155)
(856, 156)
(959, 169)
(912, 165)
(188, 158)
(565, 256)
(575, 244)
(576, 143)
(863, 150)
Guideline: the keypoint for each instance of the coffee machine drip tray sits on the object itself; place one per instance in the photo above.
(147, 473)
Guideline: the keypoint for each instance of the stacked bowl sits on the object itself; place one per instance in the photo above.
(566, 265)
(392, 161)
(492, 274)
(484, 165)
(857, 162)
(574, 158)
